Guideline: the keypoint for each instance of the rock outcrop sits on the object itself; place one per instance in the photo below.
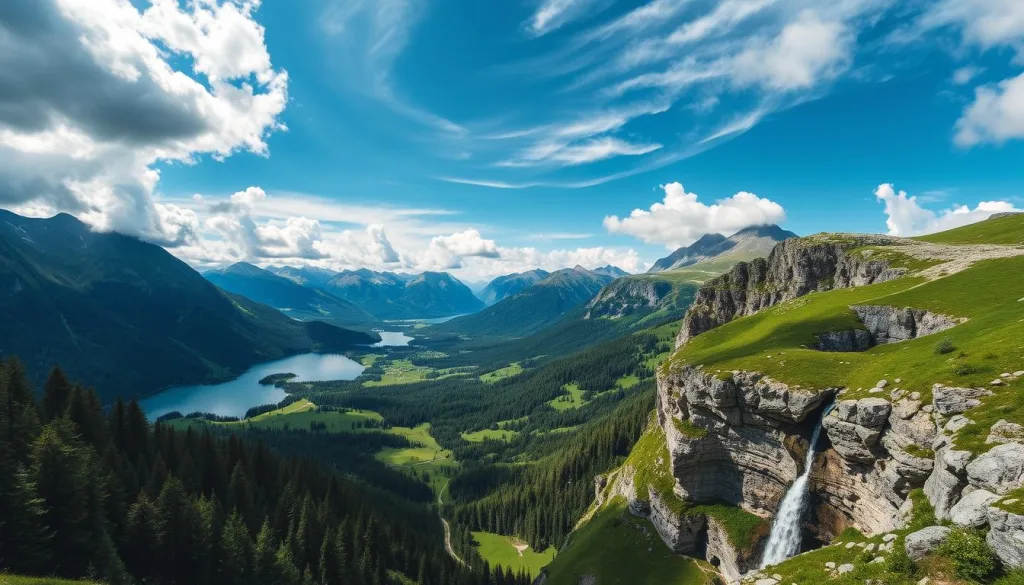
(740, 450)
(923, 542)
(888, 324)
(632, 294)
(692, 533)
(1006, 536)
(794, 268)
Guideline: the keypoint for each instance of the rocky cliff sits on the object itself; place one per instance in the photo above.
(740, 436)
(794, 268)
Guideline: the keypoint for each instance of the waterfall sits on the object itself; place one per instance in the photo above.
(785, 538)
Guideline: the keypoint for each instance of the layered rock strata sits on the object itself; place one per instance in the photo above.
(794, 268)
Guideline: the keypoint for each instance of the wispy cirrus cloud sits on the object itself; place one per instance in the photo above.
(708, 70)
(378, 31)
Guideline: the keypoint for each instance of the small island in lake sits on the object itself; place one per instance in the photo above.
(276, 379)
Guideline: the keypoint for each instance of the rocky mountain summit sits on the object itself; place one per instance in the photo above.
(906, 353)
(746, 244)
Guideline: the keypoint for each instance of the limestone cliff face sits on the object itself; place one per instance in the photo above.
(743, 441)
(794, 268)
(742, 438)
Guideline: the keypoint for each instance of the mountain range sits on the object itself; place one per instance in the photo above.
(510, 284)
(129, 318)
(534, 307)
(746, 244)
(389, 295)
(299, 301)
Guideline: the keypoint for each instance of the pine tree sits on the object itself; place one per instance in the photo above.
(60, 474)
(284, 564)
(56, 394)
(237, 550)
(264, 555)
(141, 546)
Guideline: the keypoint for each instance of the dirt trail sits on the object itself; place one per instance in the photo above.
(448, 531)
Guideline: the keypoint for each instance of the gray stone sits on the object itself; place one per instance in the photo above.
(830, 565)
(1005, 432)
(950, 400)
(889, 537)
(873, 412)
(971, 511)
(766, 581)
(957, 422)
(1006, 536)
(921, 543)
(1000, 470)
(845, 568)
(877, 560)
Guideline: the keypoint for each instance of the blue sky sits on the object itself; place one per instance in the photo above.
(490, 137)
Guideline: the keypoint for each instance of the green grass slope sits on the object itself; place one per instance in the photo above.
(776, 341)
(1005, 230)
(617, 548)
(511, 552)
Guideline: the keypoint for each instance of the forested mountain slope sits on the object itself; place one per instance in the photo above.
(83, 493)
(302, 302)
(510, 284)
(126, 316)
(534, 308)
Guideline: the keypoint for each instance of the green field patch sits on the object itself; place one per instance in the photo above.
(490, 434)
(511, 552)
(573, 398)
(620, 549)
(400, 372)
(297, 416)
(559, 430)
(513, 369)
(6, 579)
(628, 381)
(426, 455)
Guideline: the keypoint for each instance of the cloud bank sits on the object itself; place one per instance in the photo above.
(906, 217)
(680, 218)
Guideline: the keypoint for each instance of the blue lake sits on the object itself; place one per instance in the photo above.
(392, 339)
(236, 396)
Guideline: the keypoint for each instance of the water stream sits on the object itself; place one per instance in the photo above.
(787, 534)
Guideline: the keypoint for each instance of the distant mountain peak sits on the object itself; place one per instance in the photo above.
(749, 242)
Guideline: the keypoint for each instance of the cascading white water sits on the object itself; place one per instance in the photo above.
(785, 538)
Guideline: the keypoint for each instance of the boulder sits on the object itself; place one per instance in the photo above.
(845, 568)
(873, 412)
(923, 542)
(971, 510)
(950, 400)
(999, 471)
(1005, 432)
(1006, 536)
(846, 440)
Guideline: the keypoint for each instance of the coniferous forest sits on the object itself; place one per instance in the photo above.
(86, 492)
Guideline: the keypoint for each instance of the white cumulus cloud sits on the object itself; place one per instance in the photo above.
(996, 114)
(906, 217)
(805, 53)
(680, 218)
(96, 92)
